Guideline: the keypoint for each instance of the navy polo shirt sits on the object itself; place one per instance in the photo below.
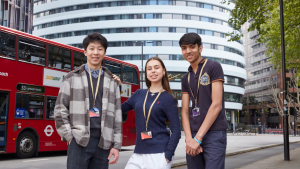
(211, 73)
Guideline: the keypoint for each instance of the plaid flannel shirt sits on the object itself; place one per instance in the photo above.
(71, 111)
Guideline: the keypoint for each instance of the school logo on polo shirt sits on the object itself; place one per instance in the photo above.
(205, 79)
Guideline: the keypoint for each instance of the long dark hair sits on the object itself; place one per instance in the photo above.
(165, 79)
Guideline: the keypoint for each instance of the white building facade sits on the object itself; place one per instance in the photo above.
(159, 24)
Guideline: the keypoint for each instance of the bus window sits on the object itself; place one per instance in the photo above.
(32, 51)
(29, 106)
(50, 107)
(129, 75)
(115, 68)
(59, 58)
(7, 45)
(79, 59)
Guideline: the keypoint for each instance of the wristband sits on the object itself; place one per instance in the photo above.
(197, 140)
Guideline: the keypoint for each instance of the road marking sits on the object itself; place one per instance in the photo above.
(34, 160)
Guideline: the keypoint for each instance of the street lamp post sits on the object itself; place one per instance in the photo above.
(142, 42)
(285, 115)
(295, 114)
(142, 63)
(255, 121)
(142, 59)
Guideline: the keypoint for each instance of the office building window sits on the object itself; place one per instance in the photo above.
(177, 94)
(175, 76)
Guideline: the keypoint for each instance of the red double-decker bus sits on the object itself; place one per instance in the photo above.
(31, 72)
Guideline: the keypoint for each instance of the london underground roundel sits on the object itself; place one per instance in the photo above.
(48, 130)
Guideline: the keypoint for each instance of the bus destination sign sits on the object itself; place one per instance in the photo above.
(30, 88)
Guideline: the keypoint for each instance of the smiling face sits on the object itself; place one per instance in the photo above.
(154, 71)
(95, 53)
(191, 52)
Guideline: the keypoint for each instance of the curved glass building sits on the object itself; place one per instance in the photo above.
(157, 25)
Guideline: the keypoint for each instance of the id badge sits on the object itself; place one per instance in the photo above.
(94, 112)
(146, 135)
(196, 111)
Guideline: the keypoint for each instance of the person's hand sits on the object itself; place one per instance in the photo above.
(70, 142)
(187, 148)
(117, 79)
(167, 160)
(199, 150)
(115, 153)
(193, 148)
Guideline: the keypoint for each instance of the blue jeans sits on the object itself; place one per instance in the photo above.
(214, 150)
(88, 157)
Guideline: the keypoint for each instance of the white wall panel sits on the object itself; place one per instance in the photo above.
(65, 3)
(232, 105)
(171, 65)
(133, 23)
(182, 66)
(234, 89)
(175, 85)
(132, 10)
(153, 49)
(172, 51)
(155, 36)
(234, 71)
(159, 36)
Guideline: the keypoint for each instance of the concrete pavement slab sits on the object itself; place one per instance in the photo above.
(277, 162)
(243, 160)
(243, 144)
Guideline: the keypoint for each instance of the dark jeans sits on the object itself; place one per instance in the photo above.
(89, 157)
(214, 151)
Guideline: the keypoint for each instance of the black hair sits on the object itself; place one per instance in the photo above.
(190, 38)
(94, 37)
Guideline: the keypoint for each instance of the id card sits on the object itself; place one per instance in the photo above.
(146, 135)
(196, 111)
(94, 112)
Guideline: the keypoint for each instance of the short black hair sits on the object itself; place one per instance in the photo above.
(94, 37)
(190, 38)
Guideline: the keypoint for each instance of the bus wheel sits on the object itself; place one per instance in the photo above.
(26, 145)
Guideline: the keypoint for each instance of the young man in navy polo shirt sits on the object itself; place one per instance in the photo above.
(205, 126)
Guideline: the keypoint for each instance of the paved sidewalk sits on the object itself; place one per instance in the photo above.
(277, 162)
(243, 144)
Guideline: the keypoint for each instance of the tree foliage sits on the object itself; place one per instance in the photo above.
(264, 16)
(252, 100)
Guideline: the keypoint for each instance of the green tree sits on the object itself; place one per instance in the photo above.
(252, 100)
(244, 101)
(264, 16)
(263, 108)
